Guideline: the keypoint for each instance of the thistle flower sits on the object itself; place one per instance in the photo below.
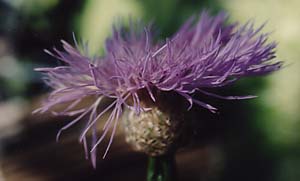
(135, 72)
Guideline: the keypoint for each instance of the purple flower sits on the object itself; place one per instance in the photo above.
(207, 54)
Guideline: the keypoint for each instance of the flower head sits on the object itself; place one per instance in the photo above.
(207, 54)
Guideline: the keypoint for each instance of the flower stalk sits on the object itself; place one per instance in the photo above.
(162, 168)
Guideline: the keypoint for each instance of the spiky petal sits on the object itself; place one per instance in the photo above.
(205, 54)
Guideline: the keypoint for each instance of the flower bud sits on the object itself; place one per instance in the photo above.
(153, 132)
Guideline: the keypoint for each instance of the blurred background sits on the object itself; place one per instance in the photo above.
(257, 139)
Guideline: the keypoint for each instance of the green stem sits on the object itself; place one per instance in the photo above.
(161, 168)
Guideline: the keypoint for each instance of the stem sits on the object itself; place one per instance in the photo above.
(162, 168)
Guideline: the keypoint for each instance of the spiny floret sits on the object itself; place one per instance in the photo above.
(205, 54)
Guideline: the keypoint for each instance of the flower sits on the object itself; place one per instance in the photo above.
(207, 54)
